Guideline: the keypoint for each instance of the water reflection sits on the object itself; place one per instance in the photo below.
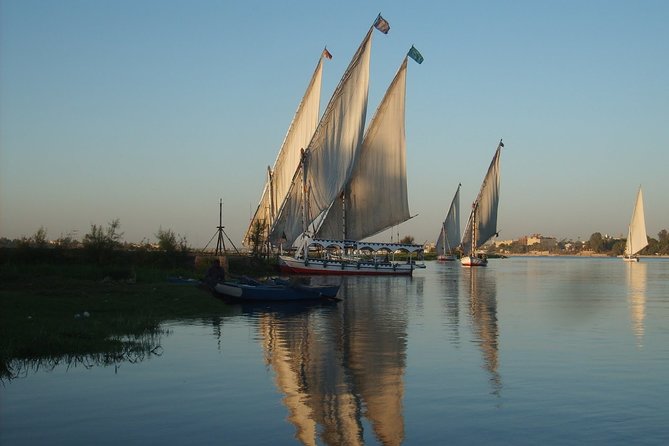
(341, 367)
(483, 313)
(449, 286)
(636, 296)
(129, 349)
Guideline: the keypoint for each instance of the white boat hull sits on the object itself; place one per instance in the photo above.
(447, 258)
(630, 259)
(340, 268)
(473, 261)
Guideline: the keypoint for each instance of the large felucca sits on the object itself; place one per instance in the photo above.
(636, 231)
(352, 187)
(482, 223)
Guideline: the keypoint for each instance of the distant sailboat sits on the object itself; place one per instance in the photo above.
(636, 232)
(482, 223)
(449, 236)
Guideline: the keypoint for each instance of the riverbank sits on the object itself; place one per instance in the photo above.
(52, 311)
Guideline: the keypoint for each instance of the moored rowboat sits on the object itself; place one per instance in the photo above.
(275, 290)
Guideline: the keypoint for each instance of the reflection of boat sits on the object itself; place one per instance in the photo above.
(482, 224)
(449, 237)
(350, 186)
(483, 311)
(339, 369)
(636, 296)
(274, 290)
(636, 232)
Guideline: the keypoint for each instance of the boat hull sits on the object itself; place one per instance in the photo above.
(448, 258)
(258, 292)
(344, 268)
(473, 261)
(630, 259)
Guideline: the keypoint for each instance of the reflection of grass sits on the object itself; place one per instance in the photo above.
(47, 313)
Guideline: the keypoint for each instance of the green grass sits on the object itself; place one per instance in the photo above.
(87, 313)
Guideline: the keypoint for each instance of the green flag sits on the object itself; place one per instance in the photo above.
(415, 55)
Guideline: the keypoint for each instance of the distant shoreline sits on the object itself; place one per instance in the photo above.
(546, 254)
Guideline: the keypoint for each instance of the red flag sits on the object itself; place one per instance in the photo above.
(382, 24)
(327, 54)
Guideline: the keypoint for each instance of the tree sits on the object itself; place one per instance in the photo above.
(407, 239)
(66, 241)
(663, 242)
(663, 236)
(256, 239)
(618, 247)
(39, 238)
(100, 242)
(596, 242)
(167, 240)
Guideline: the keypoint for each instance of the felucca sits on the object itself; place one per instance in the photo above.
(482, 223)
(636, 231)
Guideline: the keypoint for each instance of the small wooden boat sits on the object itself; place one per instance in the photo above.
(274, 290)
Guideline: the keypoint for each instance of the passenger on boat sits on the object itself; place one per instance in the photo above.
(215, 274)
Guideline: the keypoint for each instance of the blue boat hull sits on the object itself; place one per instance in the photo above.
(278, 291)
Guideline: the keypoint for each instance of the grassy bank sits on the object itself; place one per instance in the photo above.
(85, 312)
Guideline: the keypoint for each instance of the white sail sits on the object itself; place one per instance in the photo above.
(449, 236)
(636, 234)
(331, 151)
(483, 218)
(375, 197)
(298, 136)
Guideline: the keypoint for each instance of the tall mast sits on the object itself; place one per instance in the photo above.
(303, 159)
(476, 205)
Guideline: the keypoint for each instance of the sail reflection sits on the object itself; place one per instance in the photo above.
(450, 286)
(341, 367)
(636, 296)
(483, 313)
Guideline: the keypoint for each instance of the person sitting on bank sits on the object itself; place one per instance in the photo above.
(215, 274)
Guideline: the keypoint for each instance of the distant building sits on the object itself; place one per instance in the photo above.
(543, 243)
(499, 243)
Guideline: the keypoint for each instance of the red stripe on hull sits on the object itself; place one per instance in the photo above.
(333, 271)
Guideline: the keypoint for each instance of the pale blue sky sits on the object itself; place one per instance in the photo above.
(150, 111)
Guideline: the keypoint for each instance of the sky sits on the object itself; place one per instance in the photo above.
(151, 111)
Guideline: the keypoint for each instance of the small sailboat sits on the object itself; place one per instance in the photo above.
(482, 223)
(449, 236)
(636, 232)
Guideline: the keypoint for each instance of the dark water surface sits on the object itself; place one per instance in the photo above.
(527, 351)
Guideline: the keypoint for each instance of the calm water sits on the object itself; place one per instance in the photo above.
(527, 351)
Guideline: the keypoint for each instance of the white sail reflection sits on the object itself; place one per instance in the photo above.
(483, 313)
(636, 297)
(341, 366)
(451, 304)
